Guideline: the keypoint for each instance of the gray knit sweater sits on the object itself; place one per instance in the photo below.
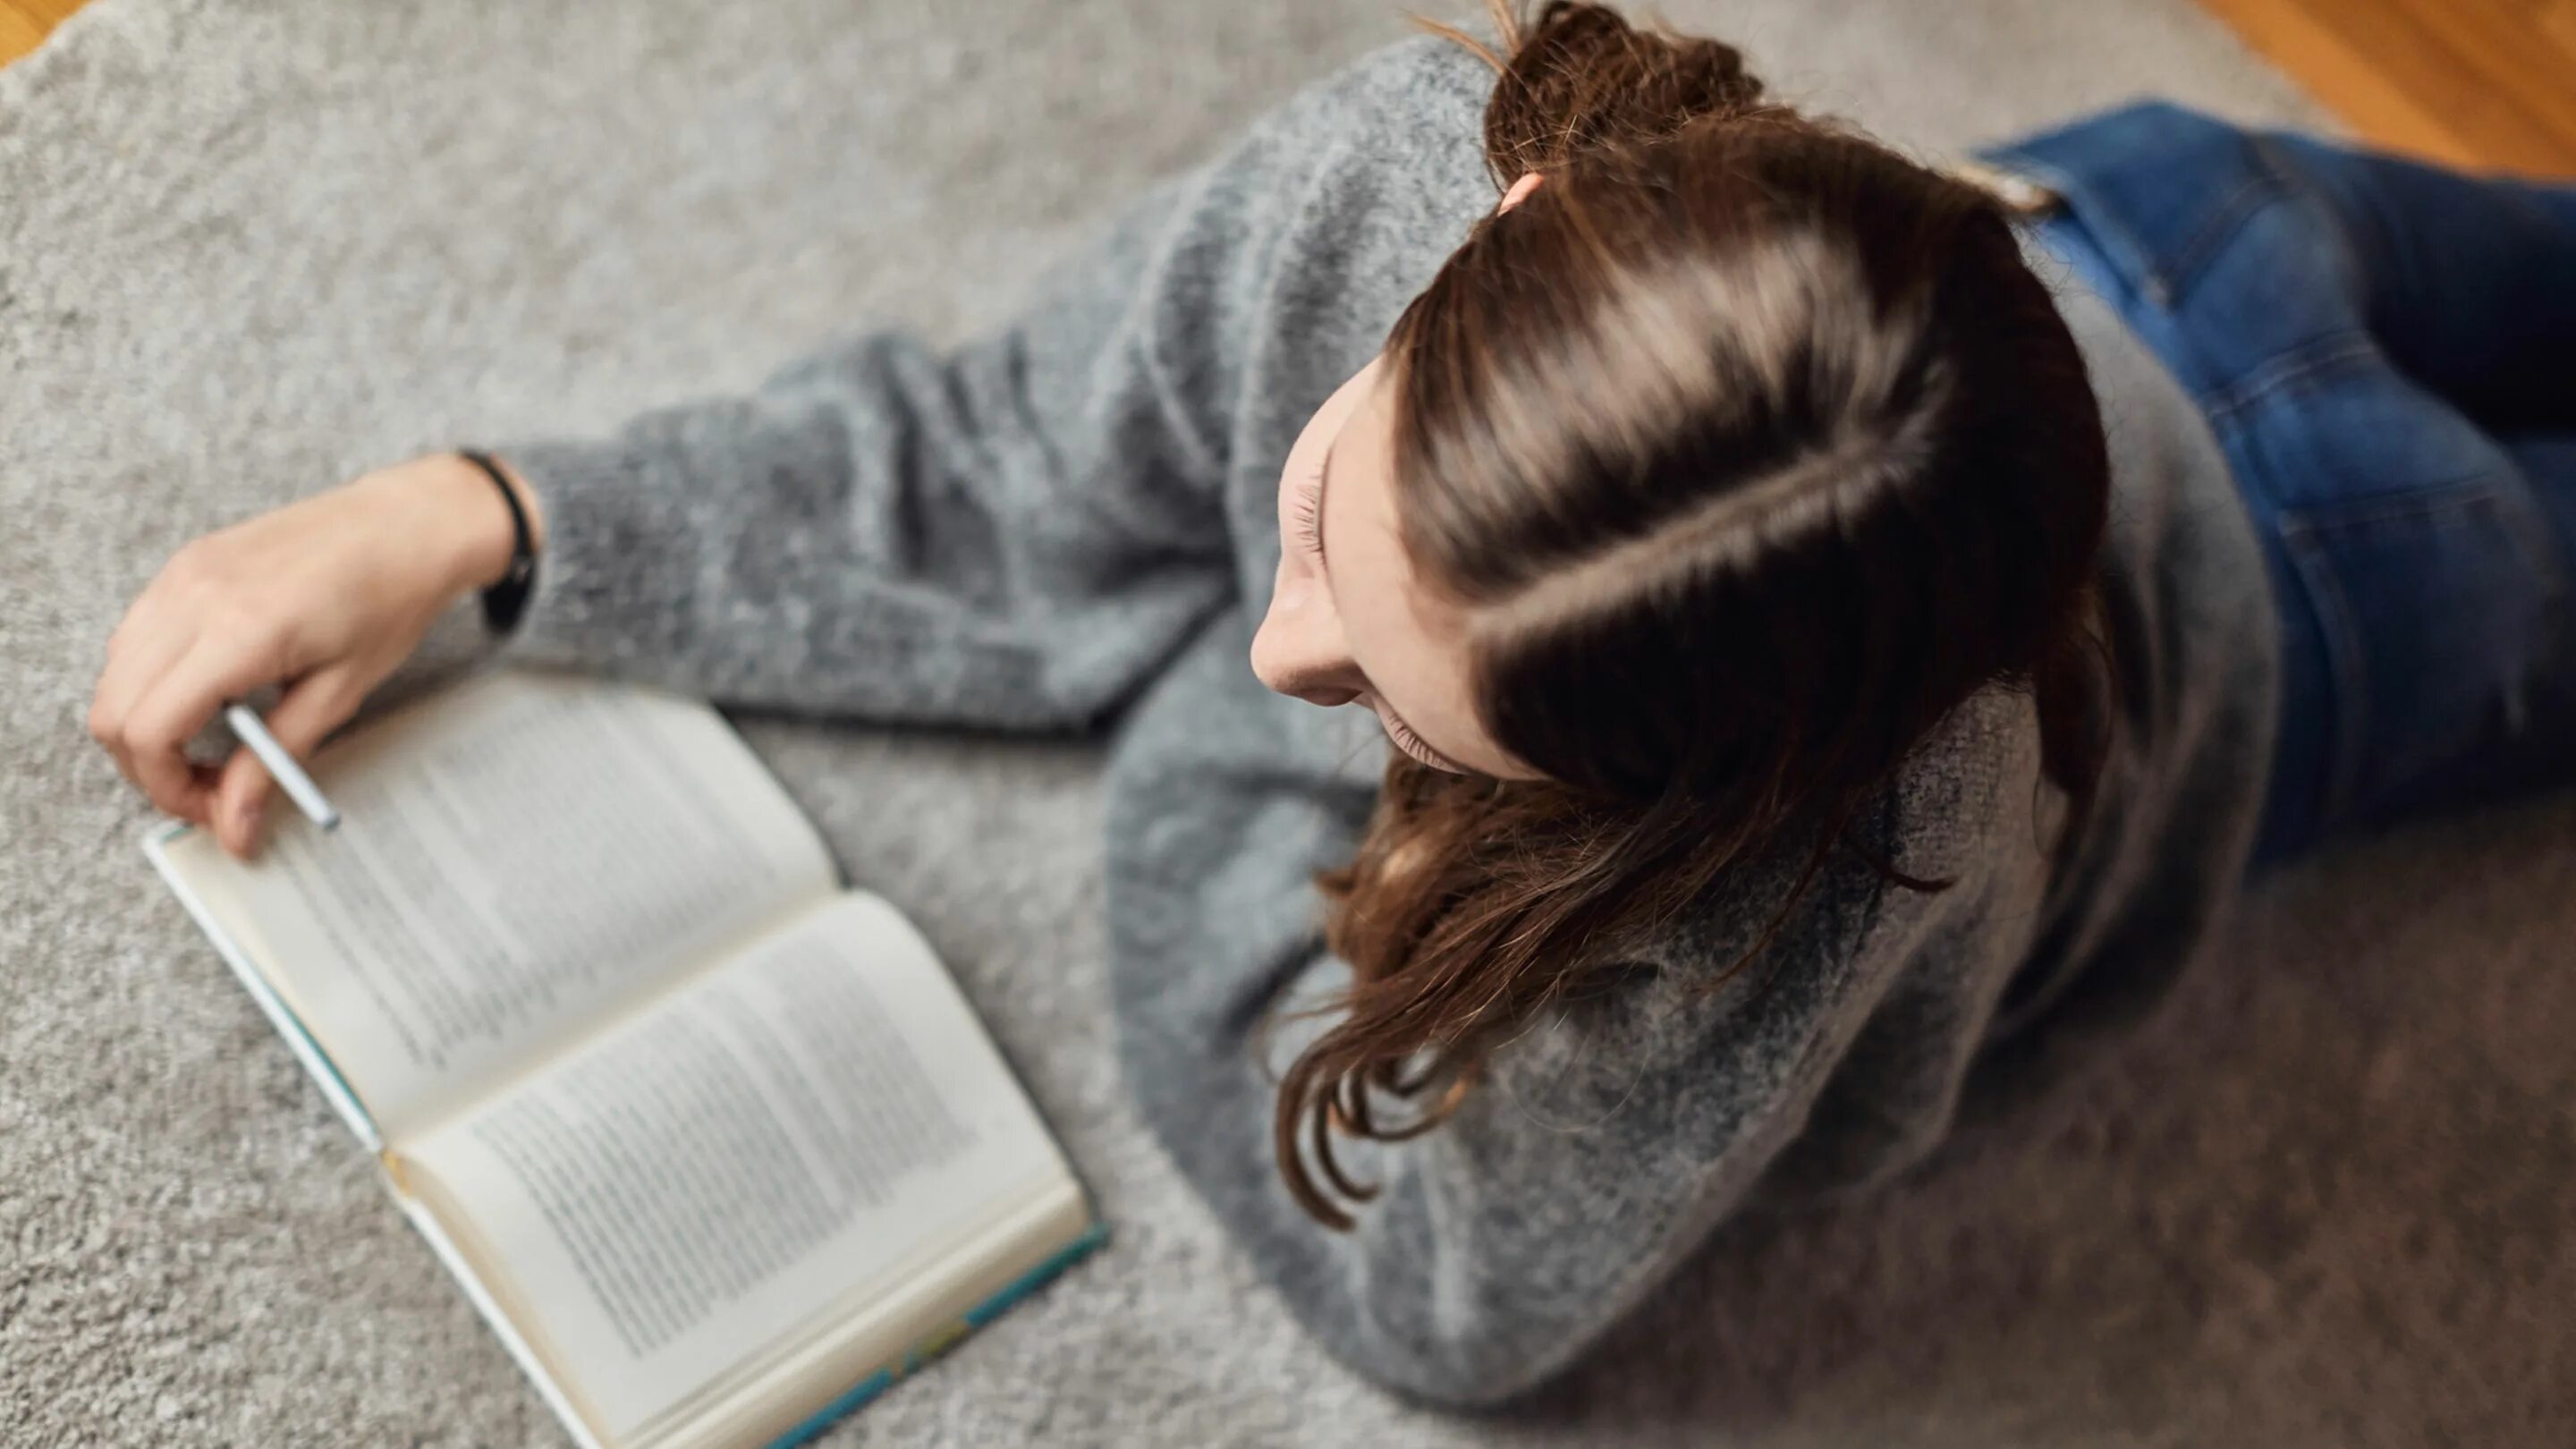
(1070, 523)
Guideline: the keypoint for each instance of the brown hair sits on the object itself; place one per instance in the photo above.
(1749, 449)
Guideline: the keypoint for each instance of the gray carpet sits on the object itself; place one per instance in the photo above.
(245, 250)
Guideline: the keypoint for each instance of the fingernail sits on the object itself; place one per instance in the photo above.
(249, 822)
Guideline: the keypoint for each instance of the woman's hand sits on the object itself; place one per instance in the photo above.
(324, 596)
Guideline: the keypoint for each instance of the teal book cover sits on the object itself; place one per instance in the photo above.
(930, 1348)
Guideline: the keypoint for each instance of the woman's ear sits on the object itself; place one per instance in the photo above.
(1523, 187)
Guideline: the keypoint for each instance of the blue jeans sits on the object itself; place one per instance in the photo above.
(2387, 353)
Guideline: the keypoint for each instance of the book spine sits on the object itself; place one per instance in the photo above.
(933, 1345)
(426, 1223)
(317, 1062)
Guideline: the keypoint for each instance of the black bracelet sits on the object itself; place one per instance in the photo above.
(506, 600)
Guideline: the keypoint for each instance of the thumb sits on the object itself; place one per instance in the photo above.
(318, 704)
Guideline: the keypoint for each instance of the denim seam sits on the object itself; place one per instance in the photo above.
(2334, 351)
(2225, 220)
(2300, 531)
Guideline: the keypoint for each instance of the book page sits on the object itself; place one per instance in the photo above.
(779, 1145)
(516, 859)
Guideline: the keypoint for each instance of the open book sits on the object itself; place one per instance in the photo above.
(717, 1147)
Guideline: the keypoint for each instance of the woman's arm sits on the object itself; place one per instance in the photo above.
(1008, 534)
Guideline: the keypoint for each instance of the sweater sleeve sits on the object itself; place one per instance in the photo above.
(1602, 1145)
(1010, 534)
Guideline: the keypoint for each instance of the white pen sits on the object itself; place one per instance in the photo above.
(290, 776)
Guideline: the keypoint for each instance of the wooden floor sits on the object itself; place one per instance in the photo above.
(24, 22)
(2484, 83)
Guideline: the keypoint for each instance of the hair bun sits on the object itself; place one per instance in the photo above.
(1580, 77)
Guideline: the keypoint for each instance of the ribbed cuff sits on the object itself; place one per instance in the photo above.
(619, 561)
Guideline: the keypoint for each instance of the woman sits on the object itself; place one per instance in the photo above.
(1813, 648)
